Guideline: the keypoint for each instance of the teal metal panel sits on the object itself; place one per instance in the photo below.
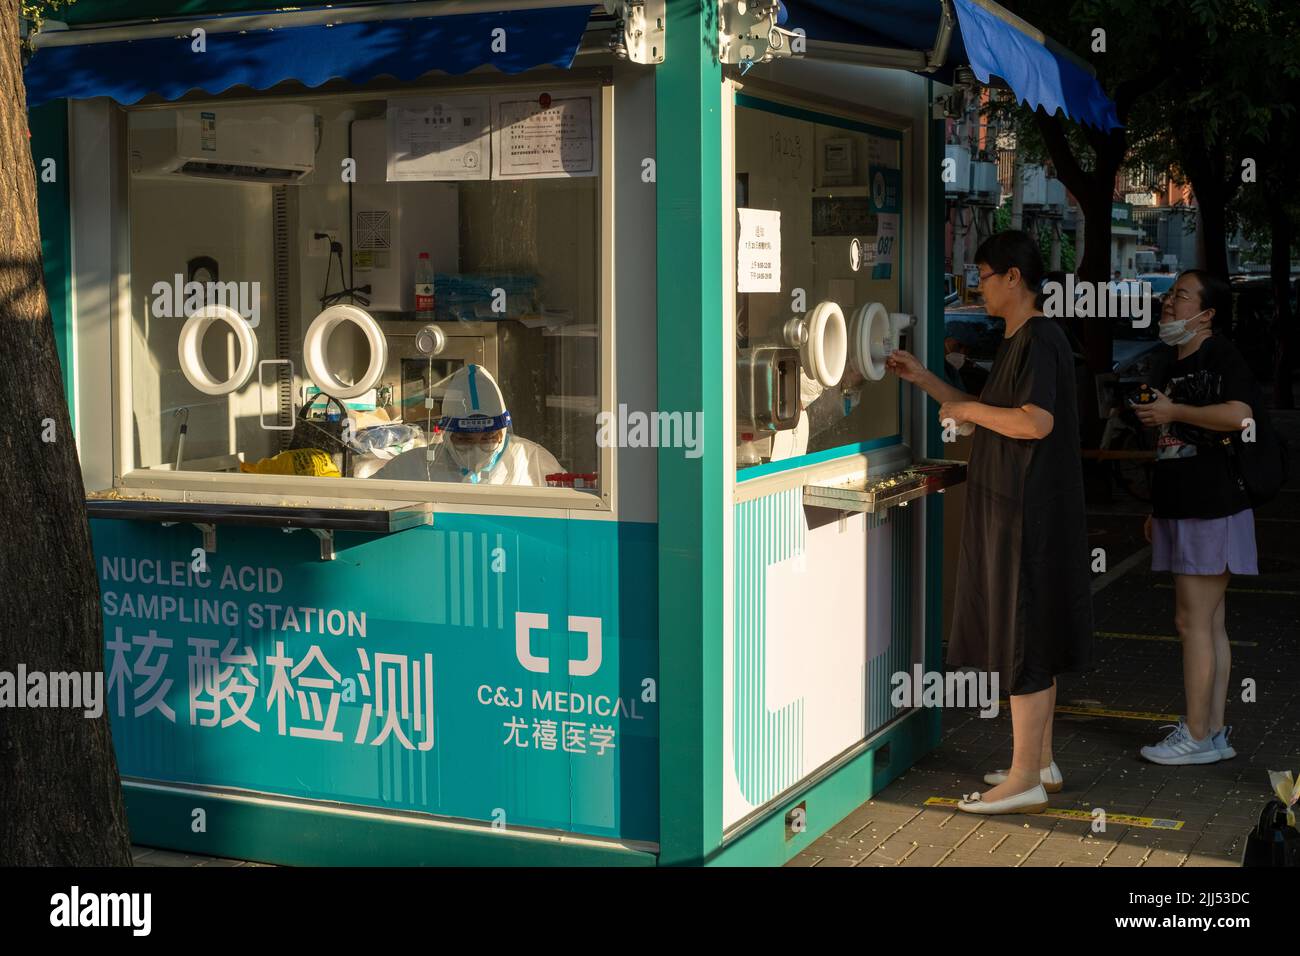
(347, 681)
(688, 147)
(305, 835)
(815, 458)
(934, 504)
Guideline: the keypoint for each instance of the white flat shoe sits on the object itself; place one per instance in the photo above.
(1049, 776)
(1033, 800)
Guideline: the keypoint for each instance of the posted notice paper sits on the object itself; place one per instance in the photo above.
(758, 260)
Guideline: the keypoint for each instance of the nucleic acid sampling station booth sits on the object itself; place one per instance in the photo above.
(483, 411)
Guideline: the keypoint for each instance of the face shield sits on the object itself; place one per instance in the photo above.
(475, 423)
(476, 453)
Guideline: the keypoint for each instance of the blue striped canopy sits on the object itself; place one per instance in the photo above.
(1038, 74)
(129, 70)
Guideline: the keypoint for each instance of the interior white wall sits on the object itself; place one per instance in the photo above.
(172, 221)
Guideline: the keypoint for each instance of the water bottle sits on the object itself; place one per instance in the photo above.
(424, 289)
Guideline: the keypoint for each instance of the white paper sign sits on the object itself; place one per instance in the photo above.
(545, 135)
(758, 259)
(438, 139)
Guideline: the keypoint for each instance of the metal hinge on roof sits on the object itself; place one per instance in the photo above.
(748, 33)
(639, 29)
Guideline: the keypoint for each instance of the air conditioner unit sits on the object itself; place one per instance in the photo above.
(957, 159)
(252, 144)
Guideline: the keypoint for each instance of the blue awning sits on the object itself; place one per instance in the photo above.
(129, 70)
(1041, 74)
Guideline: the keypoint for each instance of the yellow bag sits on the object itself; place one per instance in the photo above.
(297, 461)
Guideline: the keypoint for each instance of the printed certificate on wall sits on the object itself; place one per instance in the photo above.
(444, 138)
(546, 135)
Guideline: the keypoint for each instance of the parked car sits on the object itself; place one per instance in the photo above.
(1160, 282)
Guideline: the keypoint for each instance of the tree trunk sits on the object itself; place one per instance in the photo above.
(60, 796)
(1207, 169)
(1214, 232)
(1093, 189)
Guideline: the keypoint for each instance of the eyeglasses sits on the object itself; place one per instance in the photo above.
(985, 276)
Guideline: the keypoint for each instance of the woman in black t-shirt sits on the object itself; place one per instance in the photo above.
(1022, 611)
(1202, 528)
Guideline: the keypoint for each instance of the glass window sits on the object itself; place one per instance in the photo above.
(463, 328)
(838, 189)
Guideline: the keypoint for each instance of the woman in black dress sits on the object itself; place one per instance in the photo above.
(1022, 609)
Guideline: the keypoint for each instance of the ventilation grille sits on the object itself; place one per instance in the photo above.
(374, 230)
(257, 174)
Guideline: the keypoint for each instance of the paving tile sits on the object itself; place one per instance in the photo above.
(1162, 857)
(926, 855)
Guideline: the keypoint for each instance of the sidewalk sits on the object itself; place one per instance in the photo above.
(1139, 670)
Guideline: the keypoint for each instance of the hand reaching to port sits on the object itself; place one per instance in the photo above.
(905, 365)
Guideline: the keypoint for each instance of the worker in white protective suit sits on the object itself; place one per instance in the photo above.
(478, 444)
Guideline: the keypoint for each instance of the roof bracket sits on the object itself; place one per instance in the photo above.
(748, 33)
(326, 536)
(943, 38)
(639, 29)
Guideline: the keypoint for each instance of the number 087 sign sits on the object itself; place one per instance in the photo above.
(881, 250)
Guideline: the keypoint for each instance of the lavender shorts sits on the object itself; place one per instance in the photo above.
(1205, 545)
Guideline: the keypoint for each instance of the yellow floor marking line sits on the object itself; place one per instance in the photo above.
(1123, 714)
(1106, 712)
(1129, 636)
(1150, 823)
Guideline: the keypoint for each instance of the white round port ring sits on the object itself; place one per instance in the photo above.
(828, 344)
(190, 349)
(317, 337)
(870, 327)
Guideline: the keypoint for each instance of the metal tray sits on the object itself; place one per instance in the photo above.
(876, 493)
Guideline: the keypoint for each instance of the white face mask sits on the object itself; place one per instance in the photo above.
(1176, 332)
(477, 458)
(955, 359)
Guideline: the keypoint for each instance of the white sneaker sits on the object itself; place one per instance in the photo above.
(1222, 745)
(1033, 800)
(1181, 748)
(1049, 776)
